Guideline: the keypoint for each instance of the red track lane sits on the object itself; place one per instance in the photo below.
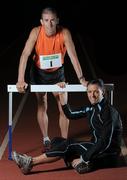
(27, 139)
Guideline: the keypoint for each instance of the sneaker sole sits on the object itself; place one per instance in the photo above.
(80, 168)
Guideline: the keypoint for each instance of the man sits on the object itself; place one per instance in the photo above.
(106, 130)
(50, 43)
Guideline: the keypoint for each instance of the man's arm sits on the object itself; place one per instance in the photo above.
(21, 84)
(76, 114)
(73, 56)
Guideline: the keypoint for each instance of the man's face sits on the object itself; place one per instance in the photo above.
(94, 93)
(49, 22)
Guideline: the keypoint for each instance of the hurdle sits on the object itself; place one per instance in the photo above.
(45, 88)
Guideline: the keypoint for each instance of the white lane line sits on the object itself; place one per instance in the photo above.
(15, 120)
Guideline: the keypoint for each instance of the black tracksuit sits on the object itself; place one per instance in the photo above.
(106, 129)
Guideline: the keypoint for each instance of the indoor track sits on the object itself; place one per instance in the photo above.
(27, 136)
(27, 139)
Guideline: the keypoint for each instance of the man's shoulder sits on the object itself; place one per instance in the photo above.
(66, 33)
(36, 29)
(65, 30)
(34, 32)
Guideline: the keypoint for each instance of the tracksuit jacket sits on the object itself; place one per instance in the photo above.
(106, 130)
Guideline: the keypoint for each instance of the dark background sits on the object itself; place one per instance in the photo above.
(101, 25)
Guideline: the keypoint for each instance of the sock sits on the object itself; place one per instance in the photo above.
(46, 139)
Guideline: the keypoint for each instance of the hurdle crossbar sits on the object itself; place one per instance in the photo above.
(46, 88)
(56, 88)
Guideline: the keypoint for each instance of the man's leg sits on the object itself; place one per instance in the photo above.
(63, 121)
(26, 163)
(42, 116)
(42, 159)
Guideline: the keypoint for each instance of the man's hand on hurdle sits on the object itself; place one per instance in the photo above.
(83, 81)
(21, 87)
(61, 84)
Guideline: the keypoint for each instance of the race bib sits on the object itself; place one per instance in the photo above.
(50, 61)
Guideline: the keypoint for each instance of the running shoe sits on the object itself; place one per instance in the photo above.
(23, 161)
(83, 167)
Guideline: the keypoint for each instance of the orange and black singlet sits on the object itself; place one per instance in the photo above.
(49, 46)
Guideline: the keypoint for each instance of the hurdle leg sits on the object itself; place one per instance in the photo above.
(111, 97)
(10, 127)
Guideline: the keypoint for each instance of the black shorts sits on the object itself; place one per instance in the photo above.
(66, 148)
(39, 76)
